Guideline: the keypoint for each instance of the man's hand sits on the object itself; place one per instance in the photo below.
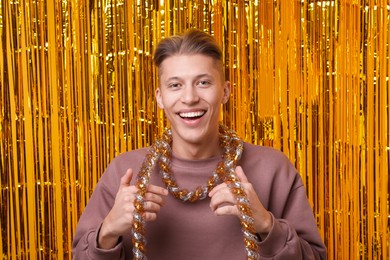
(119, 220)
(223, 202)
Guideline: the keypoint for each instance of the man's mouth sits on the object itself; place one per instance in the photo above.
(192, 115)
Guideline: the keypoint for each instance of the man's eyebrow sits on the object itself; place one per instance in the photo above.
(196, 77)
(172, 78)
(204, 75)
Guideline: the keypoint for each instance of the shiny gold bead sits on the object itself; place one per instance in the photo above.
(140, 246)
(137, 226)
(237, 191)
(250, 244)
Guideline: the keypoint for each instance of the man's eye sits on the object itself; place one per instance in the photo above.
(174, 85)
(203, 83)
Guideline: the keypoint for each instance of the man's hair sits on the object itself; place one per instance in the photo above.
(192, 42)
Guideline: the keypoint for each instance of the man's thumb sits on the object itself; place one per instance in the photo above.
(126, 179)
(241, 175)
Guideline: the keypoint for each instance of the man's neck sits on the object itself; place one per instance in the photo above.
(204, 150)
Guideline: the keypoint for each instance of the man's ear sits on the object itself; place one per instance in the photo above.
(226, 92)
(159, 98)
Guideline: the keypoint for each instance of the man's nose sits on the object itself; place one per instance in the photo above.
(189, 95)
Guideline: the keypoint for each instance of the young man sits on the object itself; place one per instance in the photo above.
(244, 201)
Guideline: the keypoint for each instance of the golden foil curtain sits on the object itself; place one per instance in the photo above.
(77, 82)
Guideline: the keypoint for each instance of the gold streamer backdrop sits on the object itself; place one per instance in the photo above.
(310, 78)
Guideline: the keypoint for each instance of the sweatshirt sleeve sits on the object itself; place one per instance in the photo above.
(85, 240)
(294, 235)
(283, 242)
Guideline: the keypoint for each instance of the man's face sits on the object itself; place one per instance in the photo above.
(191, 92)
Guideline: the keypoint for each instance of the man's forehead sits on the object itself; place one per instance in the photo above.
(196, 64)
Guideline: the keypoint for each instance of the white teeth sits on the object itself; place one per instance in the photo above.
(192, 114)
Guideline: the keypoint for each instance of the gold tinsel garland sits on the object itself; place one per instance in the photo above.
(77, 88)
(159, 156)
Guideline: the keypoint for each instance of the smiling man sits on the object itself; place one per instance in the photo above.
(199, 192)
(191, 96)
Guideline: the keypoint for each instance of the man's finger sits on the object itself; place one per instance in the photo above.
(126, 179)
(217, 188)
(157, 190)
(241, 175)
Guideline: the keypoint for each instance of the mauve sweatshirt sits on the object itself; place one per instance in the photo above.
(191, 231)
